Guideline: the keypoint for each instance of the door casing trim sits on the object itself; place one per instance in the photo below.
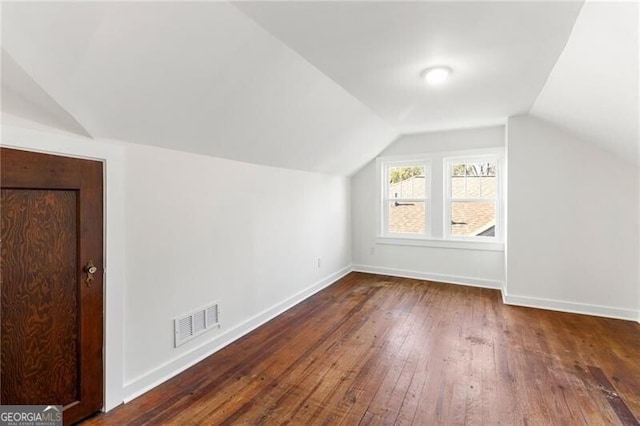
(112, 154)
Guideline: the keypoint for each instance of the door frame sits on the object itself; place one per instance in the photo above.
(112, 155)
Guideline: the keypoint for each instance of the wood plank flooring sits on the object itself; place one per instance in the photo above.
(381, 350)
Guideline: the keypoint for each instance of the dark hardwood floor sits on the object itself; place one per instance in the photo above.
(381, 350)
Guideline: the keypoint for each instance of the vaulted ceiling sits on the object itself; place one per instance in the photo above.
(500, 53)
(318, 86)
(199, 77)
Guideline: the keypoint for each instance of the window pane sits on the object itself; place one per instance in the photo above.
(488, 187)
(407, 182)
(473, 218)
(473, 169)
(481, 168)
(490, 169)
(473, 180)
(473, 186)
(457, 187)
(458, 169)
(406, 218)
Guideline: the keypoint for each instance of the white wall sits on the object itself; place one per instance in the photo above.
(195, 229)
(572, 223)
(203, 229)
(474, 267)
(582, 94)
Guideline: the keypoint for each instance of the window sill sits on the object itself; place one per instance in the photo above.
(447, 244)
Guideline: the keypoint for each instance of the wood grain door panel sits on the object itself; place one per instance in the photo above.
(39, 297)
(51, 320)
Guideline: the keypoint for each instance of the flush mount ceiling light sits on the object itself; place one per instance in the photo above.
(435, 76)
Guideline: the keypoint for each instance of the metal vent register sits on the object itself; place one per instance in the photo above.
(195, 323)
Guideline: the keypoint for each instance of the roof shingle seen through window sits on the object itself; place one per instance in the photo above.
(472, 218)
(469, 218)
(406, 218)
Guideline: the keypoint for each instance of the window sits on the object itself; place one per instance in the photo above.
(442, 200)
(470, 199)
(406, 199)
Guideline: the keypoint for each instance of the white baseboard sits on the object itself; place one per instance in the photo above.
(449, 279)
(530, 302)
(571, 307)
(140, 385)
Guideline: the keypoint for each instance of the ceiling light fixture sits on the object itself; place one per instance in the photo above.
(436, 76)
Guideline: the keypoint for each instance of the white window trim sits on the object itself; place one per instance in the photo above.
(442, 243)
(437, 239)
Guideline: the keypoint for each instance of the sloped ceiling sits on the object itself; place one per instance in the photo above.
(22, 96)
(318, 86)
(501, 53)
(593, 88)
(199, 77)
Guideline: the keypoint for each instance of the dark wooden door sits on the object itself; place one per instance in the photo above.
(51, 318)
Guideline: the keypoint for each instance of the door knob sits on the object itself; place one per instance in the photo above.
(90, 269)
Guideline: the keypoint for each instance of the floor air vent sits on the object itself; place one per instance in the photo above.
(195, 323)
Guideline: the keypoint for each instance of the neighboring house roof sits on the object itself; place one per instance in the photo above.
(468, 218)
(406, 218)
(472, 218)
(477, 218)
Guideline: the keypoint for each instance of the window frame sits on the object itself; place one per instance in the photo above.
(447, 199)
(384, 165)
(435, 216)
